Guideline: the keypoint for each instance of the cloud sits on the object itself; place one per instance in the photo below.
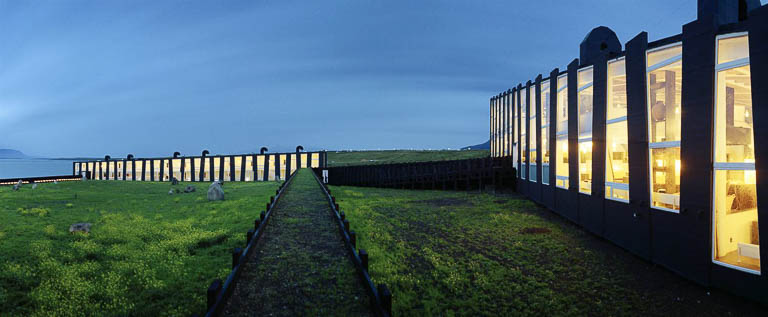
(150, 78)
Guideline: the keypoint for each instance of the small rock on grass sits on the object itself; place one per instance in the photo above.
(215, 192)
(84, 227)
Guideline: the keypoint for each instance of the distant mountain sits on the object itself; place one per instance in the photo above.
(483, 146)
(11, 154)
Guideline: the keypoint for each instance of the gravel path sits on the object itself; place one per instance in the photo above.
(300, 266)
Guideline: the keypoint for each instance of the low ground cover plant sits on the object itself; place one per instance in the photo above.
(446, 253)
(400, 156)
(148, 253)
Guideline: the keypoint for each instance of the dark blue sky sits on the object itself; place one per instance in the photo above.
(154, 77)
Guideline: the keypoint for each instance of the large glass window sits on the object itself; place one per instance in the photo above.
(523, 135)
(585, 129)
(515, 132)
(534, 143)
(315, 160)
(196, 171)
(188, 170)
(283, 163)
(238, 167)
(510, 124)
(156, 164)
(545, 132)
(561, 146)
(736, 240)
(177, 169)
(616, 134)
(119, 171)
(665, 73)
(504, 127)
(138, 170)
(494, 126)
(493, 129)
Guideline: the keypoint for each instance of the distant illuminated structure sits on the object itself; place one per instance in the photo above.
(203, 168)
(679, 115)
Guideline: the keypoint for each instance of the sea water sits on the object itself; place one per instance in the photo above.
(12, 168)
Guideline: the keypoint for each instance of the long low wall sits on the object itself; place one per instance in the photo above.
(447, 175)
(42, 179)
(239, 167)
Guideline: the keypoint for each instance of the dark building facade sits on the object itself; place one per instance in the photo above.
(203, 168)
(680, 116)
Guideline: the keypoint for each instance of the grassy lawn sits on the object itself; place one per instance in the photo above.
(455, 253)
(399, 156)
(149, 253)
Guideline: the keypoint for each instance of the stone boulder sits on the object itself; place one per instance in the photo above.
(215, 192)
(170, 192)
(190, 189)
(80, 227)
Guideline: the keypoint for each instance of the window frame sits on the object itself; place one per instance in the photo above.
(579, 138)
(532, 140)
(613, 185)
(726, 166)
(561, 135)
(544, 127)
(665, 144)
(523, 134)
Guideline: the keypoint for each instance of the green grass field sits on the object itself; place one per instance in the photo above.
(399, 156)
(454, 253)
(149, 253)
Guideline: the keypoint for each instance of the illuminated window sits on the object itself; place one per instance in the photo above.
(665, 75)
(585, 129)
(139, 170)
(533, 144)
(561, 146)
(260, 167)
(283, 158)
(515, 132)
(736, 238)
(502, 122)
(304, 160)
(226, 168)
(119, 171)
(271, 163)
(545, 132)
(511, 126)
(315, 160)
(493, 127)
(188, 169)
(616, 134)
(198, 166)
(293, 163)
(157, 169)
(523, 135)
(128, 170)
(500, 126)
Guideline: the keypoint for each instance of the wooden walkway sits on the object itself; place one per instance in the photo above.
(300, 265)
